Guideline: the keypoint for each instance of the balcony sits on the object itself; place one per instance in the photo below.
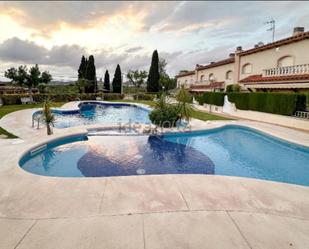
(285, 71)
(204, 82)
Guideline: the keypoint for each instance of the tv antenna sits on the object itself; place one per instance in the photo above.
(272, 28)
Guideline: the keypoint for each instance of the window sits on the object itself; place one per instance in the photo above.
(229, 75)
(247, 68)
(202, 78)
(286, 61)
(211, 77)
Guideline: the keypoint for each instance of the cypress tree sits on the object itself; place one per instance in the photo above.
(106, 82)
(91, 75)
(82, 68)
(85, 68)
(117, 80)
(154, 75)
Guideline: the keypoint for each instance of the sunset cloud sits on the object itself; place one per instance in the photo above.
(56, 34)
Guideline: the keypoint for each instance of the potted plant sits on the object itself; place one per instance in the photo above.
(48, 117)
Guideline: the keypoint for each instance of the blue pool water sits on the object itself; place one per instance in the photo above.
(101, 113)
(231, 150)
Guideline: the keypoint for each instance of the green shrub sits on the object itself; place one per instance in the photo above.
(184, 99)
(113, 96)
(133, 89)
(233, 88)
(142, 96)
(212, 98)
(165, 117)
(60, 89)
(301, 102)
(277, 103)
(13, 99)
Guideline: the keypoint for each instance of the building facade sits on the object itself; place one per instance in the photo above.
(279, 66)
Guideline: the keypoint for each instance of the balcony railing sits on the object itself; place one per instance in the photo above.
(289, 70)
(204, 82)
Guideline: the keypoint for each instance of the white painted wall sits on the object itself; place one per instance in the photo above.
(260, 61)
(186, 80)
(229, 108)
(219, 72)
(269, 58)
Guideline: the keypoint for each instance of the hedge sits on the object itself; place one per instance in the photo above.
(12, 99)
(212, 98)
(144, 96)
(277, 103)
(233, 88)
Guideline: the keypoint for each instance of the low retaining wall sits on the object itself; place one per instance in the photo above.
(292, 122)
(209, 108)
(230, 109)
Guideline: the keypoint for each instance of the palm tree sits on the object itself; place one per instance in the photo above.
(48, 117)
(184, 99)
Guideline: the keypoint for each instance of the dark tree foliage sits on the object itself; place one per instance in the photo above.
(30, 79)
(82, 68)
(91, 76)
(136, 77)
(33, 77)
(107, 87)
(46, 77)
(117, 81)
(154, 75)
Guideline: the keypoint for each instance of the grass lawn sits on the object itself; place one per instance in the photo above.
(6, 109)
(204, 116)
(207, 116)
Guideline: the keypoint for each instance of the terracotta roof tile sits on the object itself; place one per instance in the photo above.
(218, 63)
(291, 39)
(259, 78)
(185, 74)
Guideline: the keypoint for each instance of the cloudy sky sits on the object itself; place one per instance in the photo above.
(56, 34)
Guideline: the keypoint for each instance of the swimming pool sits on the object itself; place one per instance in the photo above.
(100, 113)
(230, 150)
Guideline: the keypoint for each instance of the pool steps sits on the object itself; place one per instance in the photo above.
(38, 149)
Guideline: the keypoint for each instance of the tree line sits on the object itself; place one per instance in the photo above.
(87, 80)
(29, 78)
(157, 78)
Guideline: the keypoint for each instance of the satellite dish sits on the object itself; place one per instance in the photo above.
(260, 44)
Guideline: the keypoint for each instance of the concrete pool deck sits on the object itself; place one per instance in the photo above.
(165, 211)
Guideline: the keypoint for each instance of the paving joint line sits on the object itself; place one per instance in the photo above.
(159, 212)
(182, 196)
(26, 233)
(102, 197)
(144, 239)
(238, 229)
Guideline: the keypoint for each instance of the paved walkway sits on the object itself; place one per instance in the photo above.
(166, 211)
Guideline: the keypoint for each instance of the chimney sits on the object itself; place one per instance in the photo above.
(212, 62)
(298, 30)
(231, 55)
(238, 49)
